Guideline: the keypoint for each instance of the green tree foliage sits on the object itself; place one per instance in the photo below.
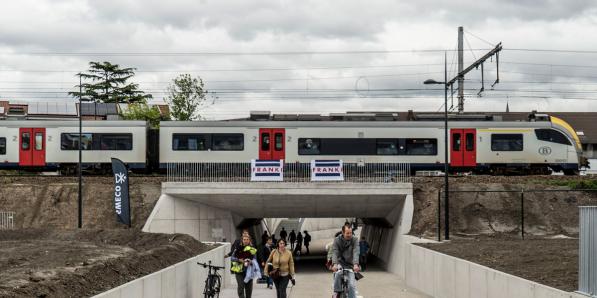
(107, 82)
(142, 111)
(185, 96)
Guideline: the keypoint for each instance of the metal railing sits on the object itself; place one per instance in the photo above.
(7, 220)
(587, 273)
(293, 172)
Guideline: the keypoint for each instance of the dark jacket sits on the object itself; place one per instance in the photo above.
(263, 253)
(307, 239)
(345, 252)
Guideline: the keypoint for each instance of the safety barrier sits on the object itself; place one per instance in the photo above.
(587, 273)
(292, 172)
(7, 220)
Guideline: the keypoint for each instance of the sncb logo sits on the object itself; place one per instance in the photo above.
(545, 150)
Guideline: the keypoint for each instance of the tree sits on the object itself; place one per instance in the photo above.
(109, 84)
(142, 111)
(185, 96)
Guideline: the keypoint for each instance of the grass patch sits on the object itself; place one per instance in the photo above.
(572, 184)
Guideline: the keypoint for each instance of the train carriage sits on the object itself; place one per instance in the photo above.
(534, 147)
(42, 145)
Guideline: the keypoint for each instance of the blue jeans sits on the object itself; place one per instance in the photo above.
(352, 289)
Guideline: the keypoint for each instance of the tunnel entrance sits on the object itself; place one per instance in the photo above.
(213, 211)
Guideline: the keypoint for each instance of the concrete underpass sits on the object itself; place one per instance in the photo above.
(217, 212)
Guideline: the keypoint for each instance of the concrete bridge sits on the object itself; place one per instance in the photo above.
(215, 211)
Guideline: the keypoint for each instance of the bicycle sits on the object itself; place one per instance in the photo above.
(344, 281)
(213, 282)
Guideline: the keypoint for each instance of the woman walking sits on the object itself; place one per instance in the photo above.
(242, 258)
(281, 269)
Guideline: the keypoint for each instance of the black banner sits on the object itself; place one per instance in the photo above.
(122, 204)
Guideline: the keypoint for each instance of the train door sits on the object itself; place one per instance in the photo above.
(32, 146)
(272, 145)
(463, 149)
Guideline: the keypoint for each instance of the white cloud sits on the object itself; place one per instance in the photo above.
(307, 83)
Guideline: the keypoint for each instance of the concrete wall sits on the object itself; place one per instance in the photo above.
(204, 223)
(388, 244)
(185, 279)
(443, 276)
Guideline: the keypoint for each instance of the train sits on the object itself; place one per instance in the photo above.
(482, 147)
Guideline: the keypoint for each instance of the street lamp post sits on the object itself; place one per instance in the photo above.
(446, 164)
(80, 172)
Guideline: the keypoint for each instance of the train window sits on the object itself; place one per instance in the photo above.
(346, 146)
(278, 141)
(470, 142)
(2, 146)
(387, 147)
(456, 142)
(190, 142)
(25, 141)
(309, 146)
(227, 142)
(506, 142)
(113, 141)
(70, 141)
(550, 135)
(421, 146)
(39, 141)
(265, 141)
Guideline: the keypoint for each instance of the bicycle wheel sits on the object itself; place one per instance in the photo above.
(216, 285)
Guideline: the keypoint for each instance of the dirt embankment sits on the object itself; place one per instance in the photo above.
(478, 213)
(82, 263)
(42, 201)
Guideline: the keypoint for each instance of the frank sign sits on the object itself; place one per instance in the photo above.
(326, 170)
(122, 204)
(267, 170)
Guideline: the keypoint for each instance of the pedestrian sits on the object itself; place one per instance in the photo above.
(292, 239)
(264, 237)
(281, 269)
(363, 253)
(299, 244)
(237, 243)
(242, 258)
(283, 234)
(263, 253)
(307, 240)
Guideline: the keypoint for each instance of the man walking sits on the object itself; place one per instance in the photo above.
(292, 239)
(299, 244)
(307, 240)
(363, 252)
(283, 234)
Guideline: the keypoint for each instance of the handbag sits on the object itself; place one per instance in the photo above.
(275, 273)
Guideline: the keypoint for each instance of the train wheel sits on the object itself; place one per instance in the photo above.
(571, 172)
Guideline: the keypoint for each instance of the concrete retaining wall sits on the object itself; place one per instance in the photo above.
(443, 276)
(178, 215)
(185, 279)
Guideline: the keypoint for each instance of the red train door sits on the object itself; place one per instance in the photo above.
(272, 145)
(469, 155)
(32, 146)
(463, 149)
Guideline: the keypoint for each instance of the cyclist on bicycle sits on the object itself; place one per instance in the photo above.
(346, 255)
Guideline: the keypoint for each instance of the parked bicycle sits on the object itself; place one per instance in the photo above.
(213, 282)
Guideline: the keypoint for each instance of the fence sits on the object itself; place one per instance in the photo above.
(6, 220)
(512, 212)
(293, 172)
(587, 273)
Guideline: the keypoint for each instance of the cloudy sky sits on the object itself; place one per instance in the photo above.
(309, 56)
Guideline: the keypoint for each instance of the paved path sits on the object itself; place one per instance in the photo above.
(312, 281)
